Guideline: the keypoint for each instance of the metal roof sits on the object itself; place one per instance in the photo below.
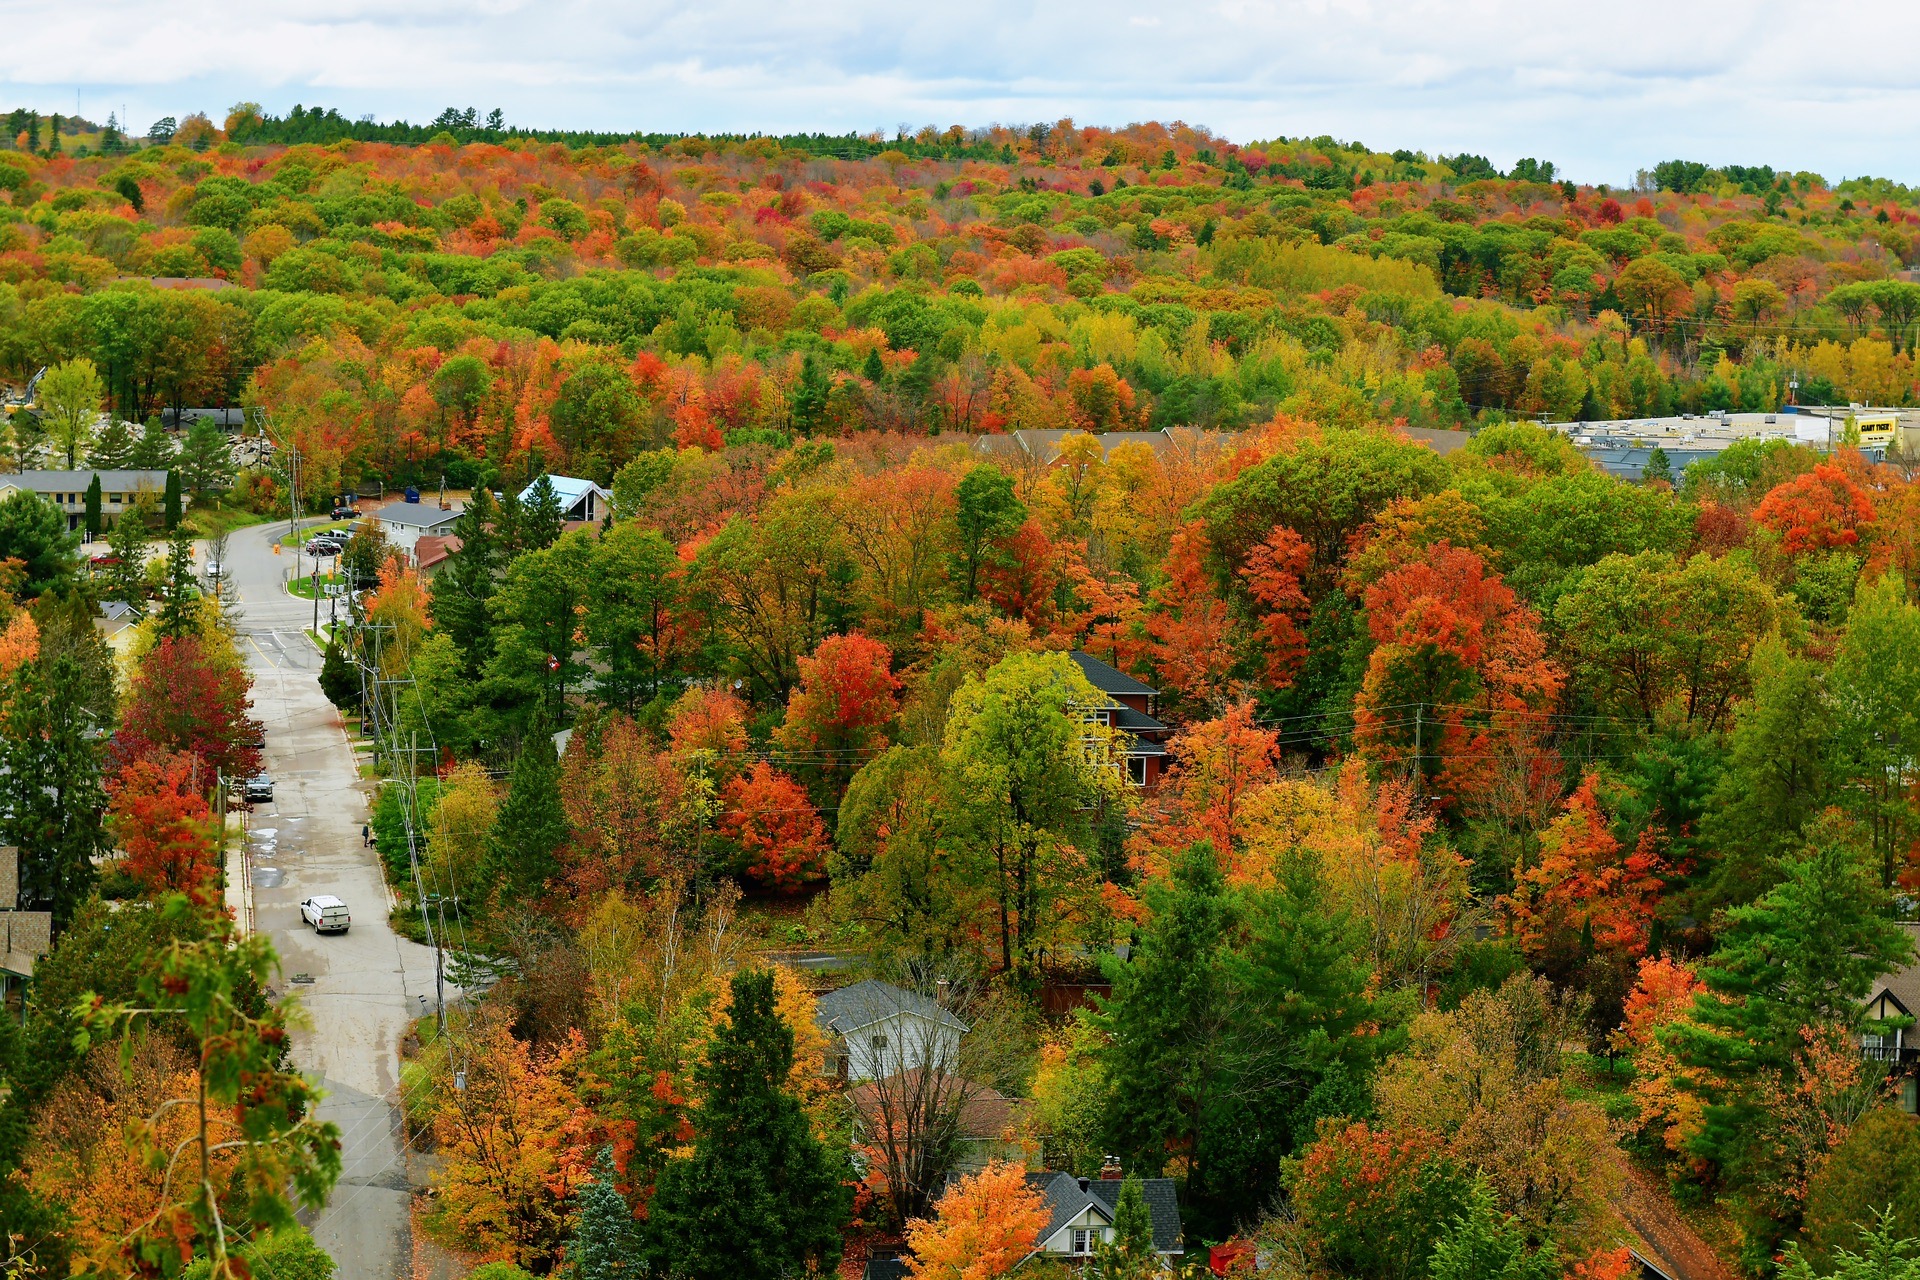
(570, 489)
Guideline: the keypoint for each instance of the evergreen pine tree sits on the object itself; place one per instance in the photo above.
(127, 543)
(507, 526)
(1130, 1254)
(207, 458)
(541, 517)
(113, 447)
(178, 594)
(93, 509)
(461, 590)
(759, 1196)
(1804, 955)
(531, 825)
(170, 503)
(54, 797)
(810, 395)
(153, 451)
(874, 369)
(29, 438)
(606, 1241)
(1486, 1244)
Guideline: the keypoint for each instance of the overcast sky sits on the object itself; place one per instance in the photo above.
(1600, 88)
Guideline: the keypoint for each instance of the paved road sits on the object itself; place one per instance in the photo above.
(367, 983)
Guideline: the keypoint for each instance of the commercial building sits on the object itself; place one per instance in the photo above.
(1623, 446)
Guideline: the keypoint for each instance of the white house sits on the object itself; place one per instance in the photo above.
(879, 1030)
(405, 523)
(1080, 1213)
(579, 499)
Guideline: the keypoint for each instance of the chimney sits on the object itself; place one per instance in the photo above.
(941, 990)
(1084, 1183)
(1110, 1170)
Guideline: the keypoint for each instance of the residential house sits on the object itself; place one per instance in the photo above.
(581, 501)
(1080, 1213)
(405, 523)
(431, 553)
(67, 490)
(877, 1030)
(1129, 708)
(987, 1119)
(1896, 997)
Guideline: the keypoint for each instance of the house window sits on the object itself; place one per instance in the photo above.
(1909, 1095)
(1137, 770)
(879, 1044)
(1084, 1238)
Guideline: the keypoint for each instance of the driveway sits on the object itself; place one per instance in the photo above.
(361, 989)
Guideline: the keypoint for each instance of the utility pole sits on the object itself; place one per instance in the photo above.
(1419, 723)
(413, 859)
(316, 595)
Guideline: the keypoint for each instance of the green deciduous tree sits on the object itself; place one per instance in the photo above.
(759, 1195)
(70, 396)
(988, 513)
(1023, 765)
(1875, 686)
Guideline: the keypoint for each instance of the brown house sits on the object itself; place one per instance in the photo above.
(1130, 707)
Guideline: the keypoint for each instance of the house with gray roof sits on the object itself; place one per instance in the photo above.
(1080, 1214)
(67, 490)
(405, 523)
(878, 1030)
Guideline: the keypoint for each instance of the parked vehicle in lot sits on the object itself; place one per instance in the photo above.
(326, 913)
(346, 513)
(324, 547)
(259, 788)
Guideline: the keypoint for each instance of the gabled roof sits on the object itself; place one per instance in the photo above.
(1110, 679)
(1903, 983)
(433, 548)
(112, 481)
(1067, 1197)
(416, 515)
(868, 1002)
(986, 1114)
(571, 490)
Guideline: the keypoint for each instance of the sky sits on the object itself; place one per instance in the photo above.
(1599, 88)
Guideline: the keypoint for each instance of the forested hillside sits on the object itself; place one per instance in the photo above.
(1492, 836)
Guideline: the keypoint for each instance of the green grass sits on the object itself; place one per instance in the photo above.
(303, 587)
(205, 519)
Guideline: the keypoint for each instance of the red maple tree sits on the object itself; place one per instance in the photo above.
(780, 837)
(186, 698)
(158, 814)
(1816, 511)
(1584, 881)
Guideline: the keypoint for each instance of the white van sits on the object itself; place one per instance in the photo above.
(326, 913)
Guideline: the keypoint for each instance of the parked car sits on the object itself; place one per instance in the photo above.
(215, 568)
(324, 547)
(326, 913)
(259, 789)
(346, 513)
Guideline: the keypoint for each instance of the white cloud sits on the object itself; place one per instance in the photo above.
(1599, 88)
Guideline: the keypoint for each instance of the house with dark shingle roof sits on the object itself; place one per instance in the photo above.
(1895, 998)
(1129, 708)
(1080, 1214)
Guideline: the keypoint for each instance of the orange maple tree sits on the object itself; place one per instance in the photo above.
(1203, 796)
(158, 814)
(781, 839)
(1583, 880)
(984, 1226)
(1817, 511)
(845, 696)
(1192, 634)
(1273, 573)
